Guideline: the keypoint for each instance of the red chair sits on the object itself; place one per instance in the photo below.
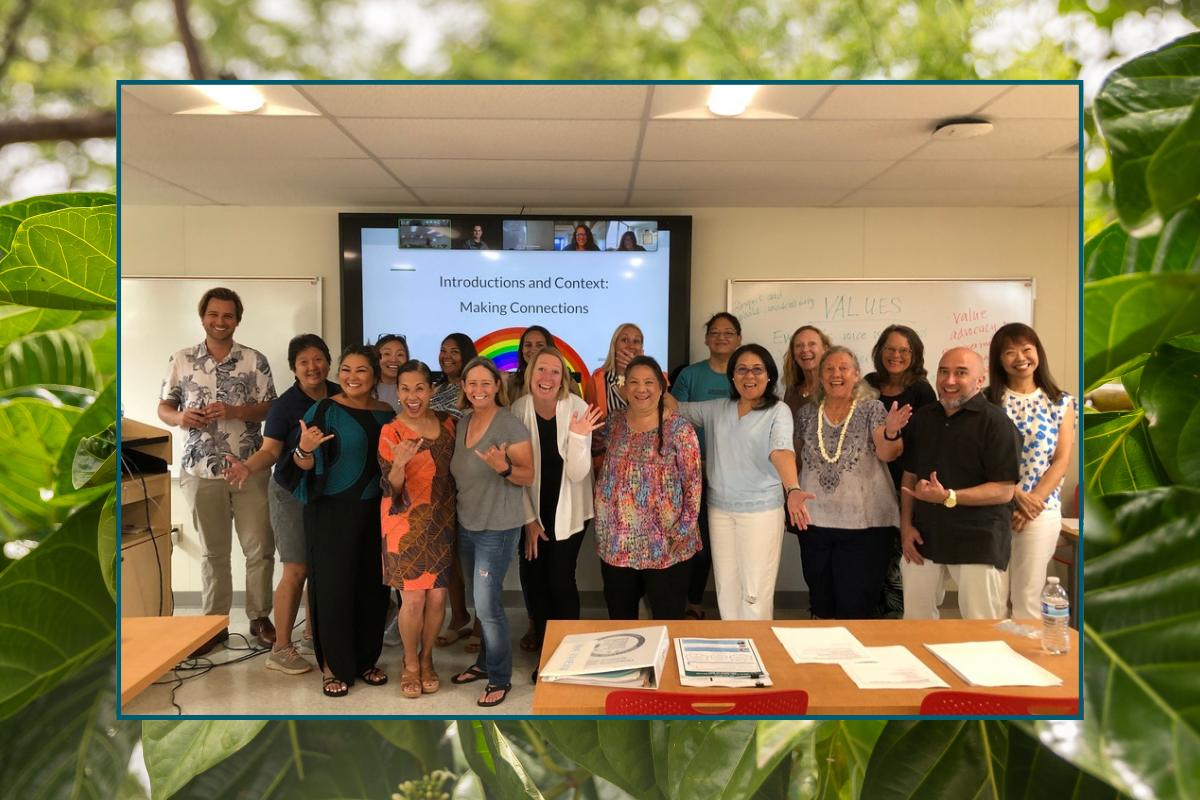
(665, 704)
(969, 704)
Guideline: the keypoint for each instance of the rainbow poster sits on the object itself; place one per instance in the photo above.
(501, 347)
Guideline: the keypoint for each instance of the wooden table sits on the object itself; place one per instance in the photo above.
(830, 690)
(151, 646)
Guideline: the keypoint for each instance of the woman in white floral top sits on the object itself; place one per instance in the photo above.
(1020, 383)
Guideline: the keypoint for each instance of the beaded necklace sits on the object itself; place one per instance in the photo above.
(841, 437)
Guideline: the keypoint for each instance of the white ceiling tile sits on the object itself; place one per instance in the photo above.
(233, 138)
(763, 175)
(1068, 199)
(141, 188)
(1033, 101)
(309, 178)
(978, 175)
(691, 100)
(490, 101)
(501, 139)
(907, 101)
(185, 98)
(774, 140)
(515, 198)
(945, 198)
(1010, 138)
(131, 106)
(745, 198)
(500, 174)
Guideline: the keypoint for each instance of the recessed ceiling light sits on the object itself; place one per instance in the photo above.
(953, 130)
(238, 98)
(730, 100)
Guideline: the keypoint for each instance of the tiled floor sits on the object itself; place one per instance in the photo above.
(241, 685)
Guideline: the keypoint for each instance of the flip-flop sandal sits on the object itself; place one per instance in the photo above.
(410, 683)
(430, 682)
(475, 672)
(451, 636)
(327, 682)
(492, 689)
(474, 644)
(373, 677)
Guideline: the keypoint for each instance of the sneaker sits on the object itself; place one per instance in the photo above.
(391, 634)
(306, 646)
(288, 661)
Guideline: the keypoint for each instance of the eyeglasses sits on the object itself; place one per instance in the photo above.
(897, 351)
(757, 370)
(726, 334)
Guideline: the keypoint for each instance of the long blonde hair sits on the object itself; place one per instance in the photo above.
(610, 363)
(792, 374)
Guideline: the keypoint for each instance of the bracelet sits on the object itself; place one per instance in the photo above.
(303, 455)
(791, 489)
(890, 438)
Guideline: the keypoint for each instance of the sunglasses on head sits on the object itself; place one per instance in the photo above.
(399, 336)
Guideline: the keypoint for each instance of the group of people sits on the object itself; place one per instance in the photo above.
(385, 481)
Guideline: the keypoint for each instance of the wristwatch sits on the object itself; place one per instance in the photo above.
(951, 501)
(506, 472)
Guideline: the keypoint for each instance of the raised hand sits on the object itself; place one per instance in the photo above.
(896, 419)
(592, 419)
(312, 438)
(496, 457)
(929, 491)
(237, 472)
(403, 452)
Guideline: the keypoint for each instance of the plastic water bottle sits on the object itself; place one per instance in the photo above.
(1056, 617)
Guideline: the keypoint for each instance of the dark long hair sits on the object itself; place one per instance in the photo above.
(522, 364)
(1007, 336)
(647, 361)
(769, 397)
(590, 244)
(916, 368)
(466, 349)
(367, 352)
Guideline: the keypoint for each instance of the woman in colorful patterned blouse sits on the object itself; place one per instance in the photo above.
(846, 439)
(1020, 383)
(647, 500)
(418, 513)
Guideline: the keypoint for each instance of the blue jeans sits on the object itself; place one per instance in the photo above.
(485, 559)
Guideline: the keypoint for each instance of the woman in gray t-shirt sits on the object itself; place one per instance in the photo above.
(493, 459)
(846, 439)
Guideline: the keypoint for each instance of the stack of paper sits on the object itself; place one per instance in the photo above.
(992, 664)
(720, 662)
(628, 658)
(893, 668)
(821, 645)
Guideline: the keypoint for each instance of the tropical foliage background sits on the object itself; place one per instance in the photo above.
(58, 733)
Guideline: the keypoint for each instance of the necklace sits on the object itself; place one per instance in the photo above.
(841, 437)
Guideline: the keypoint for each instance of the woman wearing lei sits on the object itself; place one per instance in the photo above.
(846, 440)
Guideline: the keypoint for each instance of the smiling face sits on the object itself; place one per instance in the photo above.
(476, 233)
(312, 368)
(220, 320)
(480, 387)
(750, 377)
(581, 236)
(807, 349)
(547, 377)
(630, 340)
(838, 376)
(356, 377)
(1019, 359)
(414, 392)
(533, 342)
(959, 377)
(643, 388)
(391, 356)
(722, 338)
(450, 358)
(897, 354)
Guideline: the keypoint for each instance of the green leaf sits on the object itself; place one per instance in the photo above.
(1170, 394)
(418, 737)
(13, 214)
(68, 744)
(1139, 106)
(511, 778)
(1117, 455)
(660, 745)
(844, 749)
(1126, 316)
(18, 321)
(1113, 251)
(585, 743)
(935, 760)
(54, 357)
(1179, 244)
(1035, 772)
(32, 434)
(1174, 172)
(176, 752)
(56, 615)
(95, 461)
(65, 259)
(719, 760)
(369, 769)
(478, 754)
(106, 542)
(100, 416)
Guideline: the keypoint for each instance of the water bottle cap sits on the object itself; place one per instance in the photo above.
(1052, 581)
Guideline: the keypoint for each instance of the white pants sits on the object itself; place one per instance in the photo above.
(982, 589)
(745, 558)
(1032, 550)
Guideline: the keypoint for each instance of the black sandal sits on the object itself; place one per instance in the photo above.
(692, 613)
(374, 677)
(491, 689)
(474, 671)
(329, 681)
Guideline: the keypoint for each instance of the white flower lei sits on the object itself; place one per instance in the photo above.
(841, 437)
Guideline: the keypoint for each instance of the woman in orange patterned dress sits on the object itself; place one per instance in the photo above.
(418, 512)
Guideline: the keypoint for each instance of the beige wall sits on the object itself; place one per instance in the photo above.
(727, 243)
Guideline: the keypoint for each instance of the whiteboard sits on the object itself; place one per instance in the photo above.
(159, 317)
(944, 313)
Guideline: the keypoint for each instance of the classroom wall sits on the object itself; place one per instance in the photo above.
(1042, 243)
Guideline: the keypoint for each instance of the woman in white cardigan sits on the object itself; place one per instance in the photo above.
(559, 503)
